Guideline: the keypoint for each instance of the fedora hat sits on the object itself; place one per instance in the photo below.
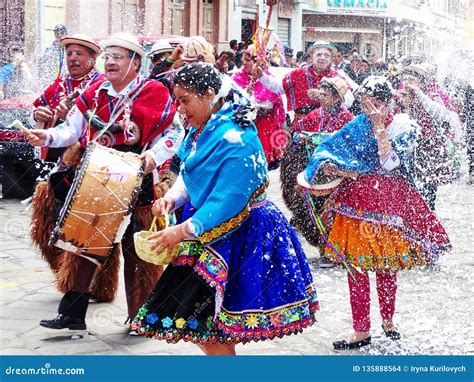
(80, 39)
(323, 44)
(124, 40)
(161, 46)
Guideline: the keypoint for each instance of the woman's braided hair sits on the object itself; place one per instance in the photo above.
(199, 77)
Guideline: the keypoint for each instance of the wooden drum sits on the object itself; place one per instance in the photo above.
(99, 205)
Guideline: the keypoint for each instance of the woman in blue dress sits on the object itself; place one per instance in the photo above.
(240, 273)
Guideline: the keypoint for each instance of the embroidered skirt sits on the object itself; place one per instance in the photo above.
(382, 223)
(253, 284)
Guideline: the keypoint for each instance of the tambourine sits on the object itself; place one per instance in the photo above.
(322, 184)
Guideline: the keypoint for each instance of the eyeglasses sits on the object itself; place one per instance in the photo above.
(113, 56)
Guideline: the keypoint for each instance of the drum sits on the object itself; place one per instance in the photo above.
(322, 184)
(100, 202)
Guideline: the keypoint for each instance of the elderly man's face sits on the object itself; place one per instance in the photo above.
(321, 59)
(79, 60)
(119, 66)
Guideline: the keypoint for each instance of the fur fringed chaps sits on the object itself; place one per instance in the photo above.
(295, 161)
(43, 213)
(105, 285)
(73, 154)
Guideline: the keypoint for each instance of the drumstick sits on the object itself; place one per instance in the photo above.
(17, 124)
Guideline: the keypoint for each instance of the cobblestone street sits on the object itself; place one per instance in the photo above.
(434, 307)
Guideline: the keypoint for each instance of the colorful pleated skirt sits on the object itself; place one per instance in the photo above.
(382, 223)
(254, 284)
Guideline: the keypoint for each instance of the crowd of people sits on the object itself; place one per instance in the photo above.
(366, 146)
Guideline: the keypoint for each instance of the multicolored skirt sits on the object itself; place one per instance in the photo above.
(382, 223)
(254, 284)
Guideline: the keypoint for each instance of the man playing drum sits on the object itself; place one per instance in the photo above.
(143, 110)
(51, 108)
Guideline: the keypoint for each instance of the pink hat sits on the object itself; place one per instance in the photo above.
(195, 47)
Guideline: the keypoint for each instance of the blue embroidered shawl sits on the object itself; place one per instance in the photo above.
(224, 171)
(354, 148)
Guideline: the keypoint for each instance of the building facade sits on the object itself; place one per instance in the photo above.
(375, 28)
(31, 22)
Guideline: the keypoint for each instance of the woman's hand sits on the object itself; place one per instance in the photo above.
(168, 238)
(163, 206)
(177, 53)
(377, 114)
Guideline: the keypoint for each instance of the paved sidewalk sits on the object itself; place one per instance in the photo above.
(434, 307)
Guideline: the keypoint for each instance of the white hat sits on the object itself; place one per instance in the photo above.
(80, 39)
(124, 40)
(424, 70)
(161, 46)
(322, 44)
(194, 47)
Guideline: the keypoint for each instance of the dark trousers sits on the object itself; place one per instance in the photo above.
(140, 279)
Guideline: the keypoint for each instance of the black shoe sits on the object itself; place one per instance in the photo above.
(392, 334)
(64, 322)
(324, 262)
(344, 345)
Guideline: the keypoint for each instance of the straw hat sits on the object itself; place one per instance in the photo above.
(194, 47)
(337, 83)
(80, 39)
(161, 46)
(124, 40)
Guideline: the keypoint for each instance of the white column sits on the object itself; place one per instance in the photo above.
(296, 29)
(235, 21)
